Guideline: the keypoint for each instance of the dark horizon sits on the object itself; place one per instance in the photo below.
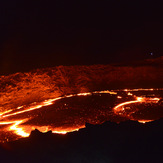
(45, 34)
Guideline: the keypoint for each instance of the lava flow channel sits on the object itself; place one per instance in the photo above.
(71, 112)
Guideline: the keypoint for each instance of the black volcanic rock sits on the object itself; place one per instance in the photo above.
(36, 133)
(128, 141)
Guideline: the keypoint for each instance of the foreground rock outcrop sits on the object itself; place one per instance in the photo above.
(128, 141)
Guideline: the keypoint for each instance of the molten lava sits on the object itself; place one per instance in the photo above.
(70, 112)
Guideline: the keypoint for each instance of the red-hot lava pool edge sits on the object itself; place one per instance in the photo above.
(70, 113)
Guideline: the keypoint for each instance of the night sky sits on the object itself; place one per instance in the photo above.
(39, 34)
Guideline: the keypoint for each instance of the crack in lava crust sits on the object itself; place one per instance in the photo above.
(22, 120)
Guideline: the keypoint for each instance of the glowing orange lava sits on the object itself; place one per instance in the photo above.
(21, 130)
(144, 121)
(18, 126)
(18, 130)
(121, 107)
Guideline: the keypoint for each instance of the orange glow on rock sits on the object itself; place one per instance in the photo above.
(62, 131)
(144, 121)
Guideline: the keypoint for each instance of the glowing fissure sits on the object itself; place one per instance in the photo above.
(19, 129)
(15, 127)
(121, 107)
